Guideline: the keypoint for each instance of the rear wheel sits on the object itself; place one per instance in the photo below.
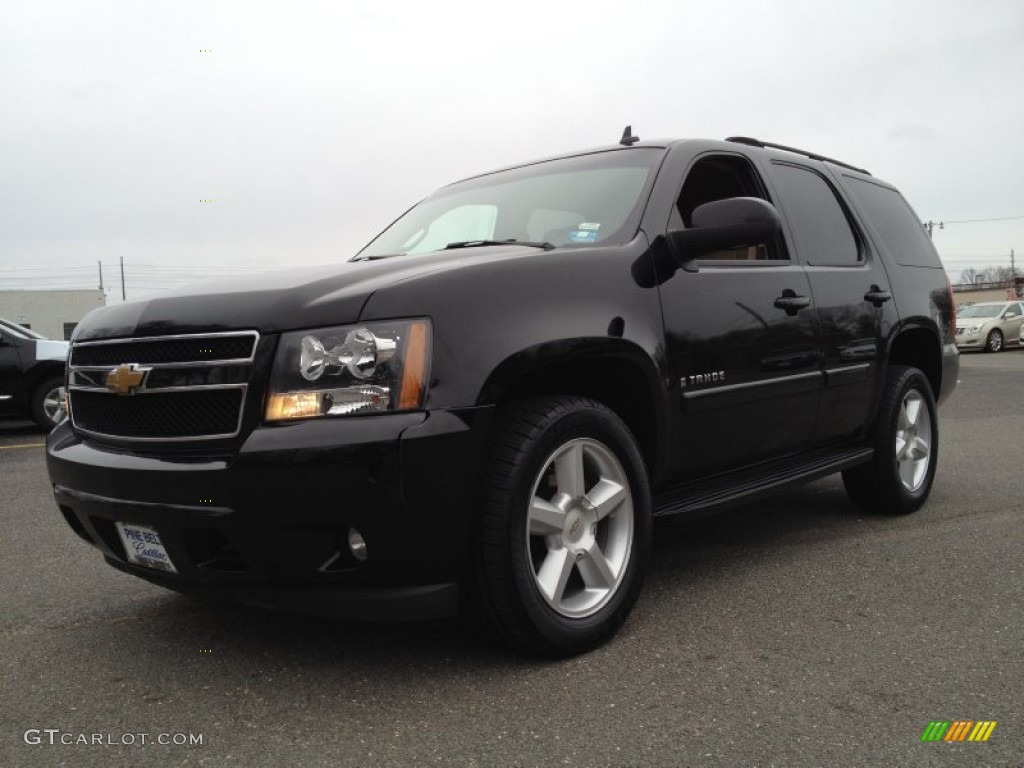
(994, 342)
(905, 437)
(47, 406)
(565, 534)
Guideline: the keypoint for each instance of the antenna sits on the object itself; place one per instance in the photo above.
(628, 139)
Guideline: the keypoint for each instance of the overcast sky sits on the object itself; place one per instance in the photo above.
(311, 125)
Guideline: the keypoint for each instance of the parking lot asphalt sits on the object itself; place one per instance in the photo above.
(796, 631)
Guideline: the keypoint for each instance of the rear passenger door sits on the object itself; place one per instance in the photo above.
(851, 294)
(1012, 319)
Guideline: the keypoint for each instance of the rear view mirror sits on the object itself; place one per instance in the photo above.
(723, 224)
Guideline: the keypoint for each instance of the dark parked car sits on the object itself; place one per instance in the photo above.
(490, 402)
(31, 375)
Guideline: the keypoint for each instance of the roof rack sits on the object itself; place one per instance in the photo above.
(784, 148)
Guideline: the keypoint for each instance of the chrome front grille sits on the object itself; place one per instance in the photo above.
(165, 388)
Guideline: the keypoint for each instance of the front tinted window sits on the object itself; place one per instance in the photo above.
(720, 177)
(571, 201)
(816, 217)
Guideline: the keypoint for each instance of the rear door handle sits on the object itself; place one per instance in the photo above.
(792, 303)
(877, 296)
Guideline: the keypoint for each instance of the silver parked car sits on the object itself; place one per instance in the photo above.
(989, 325)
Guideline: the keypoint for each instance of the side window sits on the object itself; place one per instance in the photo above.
(719, 177)
(816, 217)
(897, 225)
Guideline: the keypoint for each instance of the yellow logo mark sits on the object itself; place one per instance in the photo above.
(124, 379)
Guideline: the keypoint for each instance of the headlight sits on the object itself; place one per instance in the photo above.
(369, 368)
(973, 329)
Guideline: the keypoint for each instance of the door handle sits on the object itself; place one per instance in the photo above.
(877, 296)
(792, 303)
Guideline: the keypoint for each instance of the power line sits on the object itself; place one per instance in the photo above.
(979, 221)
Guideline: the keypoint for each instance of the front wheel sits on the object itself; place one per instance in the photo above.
(564, 539)
(994, 342)
(47, 406)
(905, 437)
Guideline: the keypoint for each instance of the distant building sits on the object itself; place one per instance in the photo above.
(51, 313)
(974, 293)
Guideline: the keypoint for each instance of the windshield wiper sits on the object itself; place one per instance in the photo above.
(374, 256)
(480, 243)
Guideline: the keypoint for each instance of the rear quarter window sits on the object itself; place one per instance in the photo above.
(894, 222)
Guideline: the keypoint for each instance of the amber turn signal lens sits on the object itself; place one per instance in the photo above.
(415, 369)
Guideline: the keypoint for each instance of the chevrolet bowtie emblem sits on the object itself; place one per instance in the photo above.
(125, 379)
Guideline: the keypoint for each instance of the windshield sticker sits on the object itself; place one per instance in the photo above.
(589, 226)
(583, 236)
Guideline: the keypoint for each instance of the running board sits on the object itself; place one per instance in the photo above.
(709, 496)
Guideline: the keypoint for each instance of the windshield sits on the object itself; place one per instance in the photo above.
(567, 202)
(980, 310)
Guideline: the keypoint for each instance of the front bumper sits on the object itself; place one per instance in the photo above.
(965, 339)
(268, 524)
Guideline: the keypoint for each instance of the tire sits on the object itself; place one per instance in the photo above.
(47, 405)
(564, 538)
(905, 437)
(994, 342)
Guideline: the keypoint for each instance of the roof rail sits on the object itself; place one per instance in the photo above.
(784, 148)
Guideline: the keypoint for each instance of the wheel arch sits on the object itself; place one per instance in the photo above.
(614, 372)
(919, 346)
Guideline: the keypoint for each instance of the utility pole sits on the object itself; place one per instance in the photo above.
(122, 280)
(930, 225)
(100, 265)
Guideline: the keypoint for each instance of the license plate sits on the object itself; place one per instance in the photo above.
(143, 546)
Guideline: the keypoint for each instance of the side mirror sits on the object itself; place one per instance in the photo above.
(722, 224)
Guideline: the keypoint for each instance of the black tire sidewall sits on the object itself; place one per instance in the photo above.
(902, 382)
(570, 419)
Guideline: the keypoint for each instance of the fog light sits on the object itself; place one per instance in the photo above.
(356, 544)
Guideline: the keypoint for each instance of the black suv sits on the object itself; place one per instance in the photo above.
(493, 399)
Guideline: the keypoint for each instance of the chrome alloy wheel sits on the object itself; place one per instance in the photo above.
(580, 528)
(54, 404)
(913, 440)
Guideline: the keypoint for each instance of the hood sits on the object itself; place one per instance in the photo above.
(280, 300)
